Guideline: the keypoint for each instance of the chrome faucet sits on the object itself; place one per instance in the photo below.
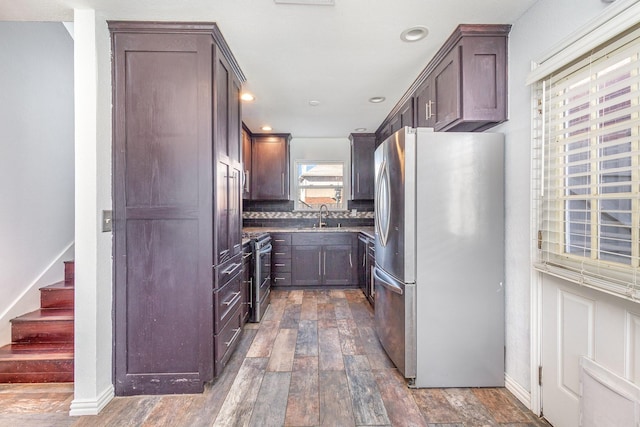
(320, 223)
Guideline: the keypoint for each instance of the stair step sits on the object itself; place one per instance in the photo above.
(69, 271)
(47, 325)
(58, 295)
(31, 363)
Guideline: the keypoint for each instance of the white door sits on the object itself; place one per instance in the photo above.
(568, 321)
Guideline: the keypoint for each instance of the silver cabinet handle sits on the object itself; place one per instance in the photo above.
(350, 263)
(319, 264)
(324, 264)
(250, 291)
(358, 181)
(231, 268)
(279, 265)
(429, 109)
(279, 240)
(246, 181)
(282, 183)
(232, 300)
(233, 338)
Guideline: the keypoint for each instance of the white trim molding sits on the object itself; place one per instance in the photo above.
(81, 407)
(518, 391)
(616, 18)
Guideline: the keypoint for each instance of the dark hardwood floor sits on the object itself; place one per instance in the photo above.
(313, 360)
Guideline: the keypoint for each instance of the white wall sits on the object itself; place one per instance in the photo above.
(535, 33)
(36, 162)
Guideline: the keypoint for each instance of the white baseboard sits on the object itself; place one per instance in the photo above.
(518, 391)
(81, 407)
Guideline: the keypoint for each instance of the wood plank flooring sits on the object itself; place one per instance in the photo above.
(313, 361)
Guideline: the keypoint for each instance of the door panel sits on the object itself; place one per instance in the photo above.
(390, 207)
(306, 265)
(162, 178)
(568, 333)
(338, 263)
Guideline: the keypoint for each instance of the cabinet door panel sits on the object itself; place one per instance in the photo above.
(222, 224)
(306, 264)
(270, 163)
(338, 265)
(424, 104)
(162, 177)
(446, 86)
(362, 166)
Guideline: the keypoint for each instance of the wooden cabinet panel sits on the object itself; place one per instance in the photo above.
(270, 167)
(446, 90)
(175, 151)
(337, 264)
(363, 146)
(323, 258)
(463, 88)
(307, 262)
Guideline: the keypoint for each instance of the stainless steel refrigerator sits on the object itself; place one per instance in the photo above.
(439, 224)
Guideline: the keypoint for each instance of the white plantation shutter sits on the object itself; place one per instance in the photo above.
(587, 119)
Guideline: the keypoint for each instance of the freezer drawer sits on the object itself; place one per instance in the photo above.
(395, 320)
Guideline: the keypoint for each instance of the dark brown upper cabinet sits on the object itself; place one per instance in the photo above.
(176, 202)
(464, 86)
(363, 146)
(270, 167)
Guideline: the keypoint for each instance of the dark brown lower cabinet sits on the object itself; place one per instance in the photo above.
(323, 258)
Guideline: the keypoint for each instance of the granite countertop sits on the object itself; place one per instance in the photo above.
(368, 231)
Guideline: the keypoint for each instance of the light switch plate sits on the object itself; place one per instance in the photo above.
(107, 221)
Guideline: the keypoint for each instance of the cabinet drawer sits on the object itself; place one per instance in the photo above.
(226, 340)
(281, 265)
(281, 279)
(281, 251)
(226, 300)
(322, 238)
(280, 239)
(227, 270)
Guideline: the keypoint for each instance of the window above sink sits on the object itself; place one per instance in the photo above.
(319, 183)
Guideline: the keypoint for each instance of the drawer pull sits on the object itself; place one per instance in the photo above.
(233, 338)
(231, 268)
(279, 240)
(279, 253)
(245, 256)
(275, 279)
(279, 265)
(232, 300)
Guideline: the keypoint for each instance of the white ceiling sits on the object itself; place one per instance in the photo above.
(339, 55)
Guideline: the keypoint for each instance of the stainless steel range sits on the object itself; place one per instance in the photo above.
(261, 286)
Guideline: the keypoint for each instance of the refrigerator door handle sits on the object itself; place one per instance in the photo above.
(383, 203)
(387, 281)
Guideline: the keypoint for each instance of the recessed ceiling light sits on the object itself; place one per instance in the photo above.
(360, 129)
(266, 128)
(247, 97)
(413, 34)
(314, 103)
(377, 99)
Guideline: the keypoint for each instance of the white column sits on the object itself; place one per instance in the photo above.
(93, 282)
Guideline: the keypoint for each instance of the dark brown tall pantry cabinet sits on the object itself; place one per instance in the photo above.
(177, 205)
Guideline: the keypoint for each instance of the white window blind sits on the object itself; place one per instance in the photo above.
(587, 119)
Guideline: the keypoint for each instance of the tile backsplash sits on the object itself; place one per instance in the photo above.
(305, 219)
